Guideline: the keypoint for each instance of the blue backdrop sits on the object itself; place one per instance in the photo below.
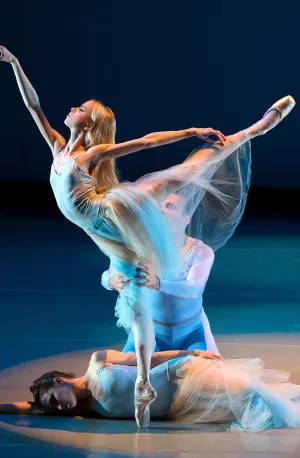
(160, 65)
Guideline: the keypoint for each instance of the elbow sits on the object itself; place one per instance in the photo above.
(34, 107)
(154, 361)
(209, 253)
(197, 292)
(148, 141)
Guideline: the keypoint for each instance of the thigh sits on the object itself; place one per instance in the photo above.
(195, 340)
(170, 337)
(129, 347)
(159, 189)
(209, 338)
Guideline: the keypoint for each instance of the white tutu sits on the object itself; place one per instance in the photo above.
(235, 391)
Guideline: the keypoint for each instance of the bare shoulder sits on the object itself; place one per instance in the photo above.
(97, 151)
(98, 359)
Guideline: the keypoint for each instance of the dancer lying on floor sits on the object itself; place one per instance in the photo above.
(193, 387)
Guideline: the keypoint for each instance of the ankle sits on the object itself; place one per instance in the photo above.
(252, 131)
(141, 380)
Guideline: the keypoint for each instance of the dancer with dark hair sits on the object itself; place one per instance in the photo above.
(192, 387)
(124, 219)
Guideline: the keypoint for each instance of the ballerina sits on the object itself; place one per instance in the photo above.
(124, 219)
(192, 387)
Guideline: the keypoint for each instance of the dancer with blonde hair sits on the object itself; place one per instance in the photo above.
(124, 219)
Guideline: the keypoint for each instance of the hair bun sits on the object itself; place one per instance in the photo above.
(34, 387)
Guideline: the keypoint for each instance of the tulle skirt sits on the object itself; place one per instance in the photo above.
(213, 185)
(237, 391)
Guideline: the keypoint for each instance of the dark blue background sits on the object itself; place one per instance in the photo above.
(160, 65)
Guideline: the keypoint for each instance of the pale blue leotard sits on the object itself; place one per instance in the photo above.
(180, 322)
(76, 195)
(256, 407)
(128, 215)
(118, 385)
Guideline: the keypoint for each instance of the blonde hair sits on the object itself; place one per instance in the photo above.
(103, 131)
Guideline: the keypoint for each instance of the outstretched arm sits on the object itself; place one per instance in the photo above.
(192, 287)
(21, 407)
(31, 100)
(194, 284)
(196, 280)
(30, 408)
(105, 357)
(113, 151)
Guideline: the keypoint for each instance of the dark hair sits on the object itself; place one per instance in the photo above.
(43, 383)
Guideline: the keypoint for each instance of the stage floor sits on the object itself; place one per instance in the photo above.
(54, 313)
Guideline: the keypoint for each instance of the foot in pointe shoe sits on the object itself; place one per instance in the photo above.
(273, 116)
(144, 395)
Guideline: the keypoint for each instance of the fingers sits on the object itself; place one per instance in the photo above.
(145, 270)
(219, 357)
(142, 277)
(142, 285)
(145, 265)
(217, 133)
(221, 136)
(216, 356)
(207, 139)
(120, 283)
(211, 355)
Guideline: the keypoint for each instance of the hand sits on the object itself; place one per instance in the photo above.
(204, 134)
(151, 280)
(6, 56)
(118, 282)
(208, 355)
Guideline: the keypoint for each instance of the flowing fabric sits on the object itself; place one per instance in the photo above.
(127, 224)
(235, 391)
(213, 183)
(214, 192)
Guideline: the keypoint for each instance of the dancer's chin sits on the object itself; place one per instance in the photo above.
(67, 123)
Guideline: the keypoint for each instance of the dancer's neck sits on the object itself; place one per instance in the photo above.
(76, 142)
(181, 238)
(81, 387)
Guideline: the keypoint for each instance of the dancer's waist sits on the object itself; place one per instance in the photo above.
(179, 323)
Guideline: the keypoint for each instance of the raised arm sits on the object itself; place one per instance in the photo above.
(31, 100)
(113, 151)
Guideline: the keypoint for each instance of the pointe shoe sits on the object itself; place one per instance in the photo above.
(144, 395)
(278, 111)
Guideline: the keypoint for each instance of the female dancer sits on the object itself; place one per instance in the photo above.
(125, 220)
(193, 387)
